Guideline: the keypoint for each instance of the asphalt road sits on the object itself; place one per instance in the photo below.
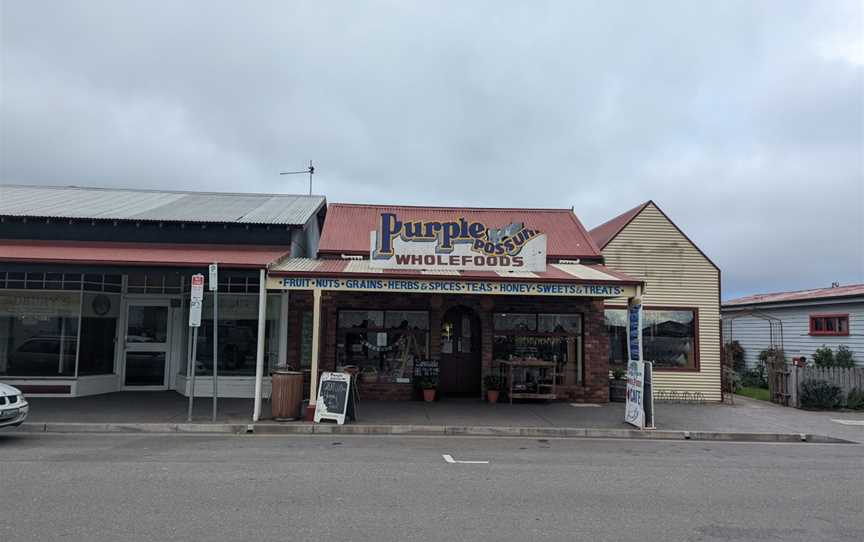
(188, 487)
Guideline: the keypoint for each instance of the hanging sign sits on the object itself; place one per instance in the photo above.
(335, 398)
(196, 300)
(459, 244)
(469, 287)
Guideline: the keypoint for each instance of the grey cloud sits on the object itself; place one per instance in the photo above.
(743, 120)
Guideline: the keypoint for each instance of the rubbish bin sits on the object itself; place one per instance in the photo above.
(287, 394)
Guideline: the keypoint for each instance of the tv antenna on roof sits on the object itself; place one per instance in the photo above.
(310, 170)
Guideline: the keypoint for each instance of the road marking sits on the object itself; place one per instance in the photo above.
(449, 458)
(585, 405)
(848, 422)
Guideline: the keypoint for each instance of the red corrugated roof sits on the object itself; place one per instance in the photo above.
(607, 231)
(106, 253)
(799, 295)
(347, 226)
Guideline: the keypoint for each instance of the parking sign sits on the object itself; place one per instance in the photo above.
(196, 300)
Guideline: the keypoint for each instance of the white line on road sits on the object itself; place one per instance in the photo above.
(449, 458)
(848, 422)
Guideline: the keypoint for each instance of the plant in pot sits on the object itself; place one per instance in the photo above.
(429, 386)
(618, 385)
(492, 383)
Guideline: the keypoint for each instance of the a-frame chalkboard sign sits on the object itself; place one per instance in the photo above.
(337, 398)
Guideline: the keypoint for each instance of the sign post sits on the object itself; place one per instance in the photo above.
(214, 287)
(196, 301)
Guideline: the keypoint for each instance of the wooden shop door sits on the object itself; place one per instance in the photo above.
(460, 353)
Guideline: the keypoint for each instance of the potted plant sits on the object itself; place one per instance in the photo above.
(618, 385)
(428, 385)
(492, 383)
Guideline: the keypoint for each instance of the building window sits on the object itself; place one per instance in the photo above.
(99, 313)
(668, 337)
(383, 344)
(39, 333)
(545, 336)
(237, 334)
(38, 280)
(829, 324)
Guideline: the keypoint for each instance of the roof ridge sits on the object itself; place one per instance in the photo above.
(765, 294)
(448, 207)
(154, 190)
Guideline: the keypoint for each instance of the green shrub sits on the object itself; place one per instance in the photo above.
(820, 394)
(844, 357)
(823, 357)
(754, 378)
(492, 382)
(855, 400)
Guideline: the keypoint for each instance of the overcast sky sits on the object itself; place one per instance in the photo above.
(744, 120)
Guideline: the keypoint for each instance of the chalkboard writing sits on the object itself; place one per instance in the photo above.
(334, 394)
(426, 368)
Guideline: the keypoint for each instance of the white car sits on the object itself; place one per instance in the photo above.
(13, 406)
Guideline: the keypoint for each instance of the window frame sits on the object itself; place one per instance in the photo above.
(824, 317)
(697, 352)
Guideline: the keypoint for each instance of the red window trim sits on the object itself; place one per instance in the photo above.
(824, 333)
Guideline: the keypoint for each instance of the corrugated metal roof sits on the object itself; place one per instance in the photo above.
(155, 205)
(560, 273)
(347, 227)
(607, 231)
(850, 290)
(109, 253)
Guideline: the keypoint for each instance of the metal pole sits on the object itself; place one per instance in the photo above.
(215, 350)
(259, 354)
(193, 362)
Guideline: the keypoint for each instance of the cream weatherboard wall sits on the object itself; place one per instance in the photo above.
(676, 274)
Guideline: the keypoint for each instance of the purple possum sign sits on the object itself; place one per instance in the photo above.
(456, 245)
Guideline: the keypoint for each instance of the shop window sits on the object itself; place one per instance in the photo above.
(383, 344)
(37, 280)
(237, 334)
(668, 337)
(38, 333)
(829, 324)
(545, 336)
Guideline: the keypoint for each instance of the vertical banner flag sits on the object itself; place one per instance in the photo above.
(634, 328)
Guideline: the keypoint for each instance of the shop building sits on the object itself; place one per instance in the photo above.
(406, 293)
(94, 289)
(681, 302)
(94, 286)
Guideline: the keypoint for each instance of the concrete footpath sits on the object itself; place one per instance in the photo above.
(748, 420)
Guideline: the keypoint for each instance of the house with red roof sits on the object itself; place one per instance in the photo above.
(804, 321)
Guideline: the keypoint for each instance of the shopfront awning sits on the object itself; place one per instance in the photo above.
(138, 254)
(559, 279)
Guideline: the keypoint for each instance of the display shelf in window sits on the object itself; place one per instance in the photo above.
(529, 378)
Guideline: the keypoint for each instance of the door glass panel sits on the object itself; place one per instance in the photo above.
(145, 369)
(147, 324)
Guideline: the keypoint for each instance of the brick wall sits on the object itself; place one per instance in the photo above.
(593, 388)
